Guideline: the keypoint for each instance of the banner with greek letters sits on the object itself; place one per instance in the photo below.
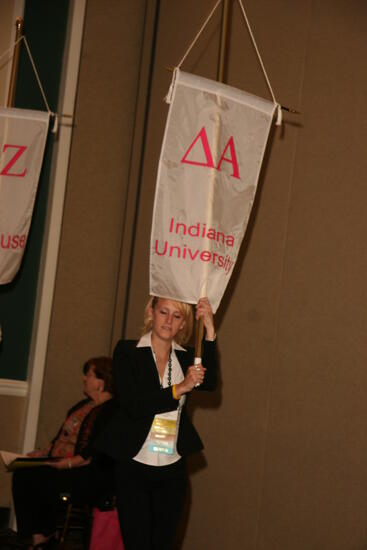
(211, 156)
(23, 136)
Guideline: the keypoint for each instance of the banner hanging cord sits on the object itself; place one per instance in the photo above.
(51, 113)
(199, 33)
(278, 106)
(276, 103)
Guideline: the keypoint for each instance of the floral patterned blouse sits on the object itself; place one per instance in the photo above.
(76, 435)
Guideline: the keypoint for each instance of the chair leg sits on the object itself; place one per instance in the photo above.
(66, 524)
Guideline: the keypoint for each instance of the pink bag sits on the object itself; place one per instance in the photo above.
(106, 534)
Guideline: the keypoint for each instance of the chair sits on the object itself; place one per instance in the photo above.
(74, 523)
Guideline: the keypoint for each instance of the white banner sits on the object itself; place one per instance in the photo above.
(211, 156)
(23, 136)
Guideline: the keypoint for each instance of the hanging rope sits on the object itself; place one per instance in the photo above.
(36, 74)
(11, 48)
(278, 106)
(51, 113)
(199, 33)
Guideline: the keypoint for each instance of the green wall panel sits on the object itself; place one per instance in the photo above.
(45, 25)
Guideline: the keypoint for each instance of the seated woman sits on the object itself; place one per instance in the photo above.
(36, 490)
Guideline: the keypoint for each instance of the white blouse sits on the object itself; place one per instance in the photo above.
(145, 455)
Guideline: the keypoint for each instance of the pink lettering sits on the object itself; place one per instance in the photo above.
(208, 155)
(200, 230)
(230, 147)
(12, 241)
(6, 170)
(15, 241)
(232, 160)
(175, 248)
(205, 256)
(193, 256)
(194, 230)
(156, 248)
(2, 242)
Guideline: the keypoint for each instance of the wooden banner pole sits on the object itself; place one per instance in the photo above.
(220, 77)
(223, 41)
(14, 68)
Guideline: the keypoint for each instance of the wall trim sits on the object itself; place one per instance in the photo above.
(17, 388)
(58, 180)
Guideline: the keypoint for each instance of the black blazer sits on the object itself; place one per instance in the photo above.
(140, 397)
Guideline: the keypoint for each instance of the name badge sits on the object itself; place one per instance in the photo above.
(162, 435)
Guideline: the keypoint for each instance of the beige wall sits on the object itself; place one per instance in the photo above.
(94, 216)
(11, 419)
(285, 437)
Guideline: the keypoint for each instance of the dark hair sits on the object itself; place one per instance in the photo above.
(102, 367)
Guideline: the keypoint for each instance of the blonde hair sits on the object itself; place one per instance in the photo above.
(184, 334)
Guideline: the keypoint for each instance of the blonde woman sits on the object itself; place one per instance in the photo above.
(151, 434)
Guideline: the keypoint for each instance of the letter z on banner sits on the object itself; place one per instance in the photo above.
(211, 156)
(23, 136)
